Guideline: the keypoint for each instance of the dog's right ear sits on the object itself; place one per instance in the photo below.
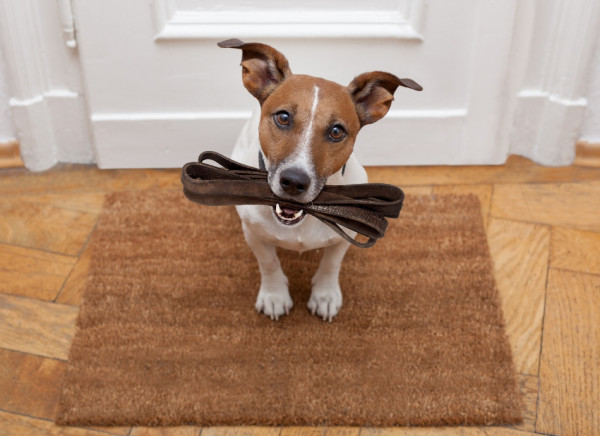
(263, 67)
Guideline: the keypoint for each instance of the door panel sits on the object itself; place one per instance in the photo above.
(159, 90)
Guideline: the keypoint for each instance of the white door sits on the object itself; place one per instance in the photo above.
(159, 90)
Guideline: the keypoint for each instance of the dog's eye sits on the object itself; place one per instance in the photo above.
(337, 133)
(283, 119)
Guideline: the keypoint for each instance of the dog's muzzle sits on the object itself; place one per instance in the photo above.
(294, 182)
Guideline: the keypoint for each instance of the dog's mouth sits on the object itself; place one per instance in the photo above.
(288, 215)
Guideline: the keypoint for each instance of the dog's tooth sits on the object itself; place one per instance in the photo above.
(284, 215)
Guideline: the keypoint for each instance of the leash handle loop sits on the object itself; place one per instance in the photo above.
(361, 208)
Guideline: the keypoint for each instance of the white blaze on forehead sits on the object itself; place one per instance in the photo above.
(301, 157)
(303, 150)
(313, 109)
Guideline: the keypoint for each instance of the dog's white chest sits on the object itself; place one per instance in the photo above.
(310, 234)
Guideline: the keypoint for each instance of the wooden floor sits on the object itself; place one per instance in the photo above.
(543, 227)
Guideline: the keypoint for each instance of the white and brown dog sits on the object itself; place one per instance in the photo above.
(303, 136)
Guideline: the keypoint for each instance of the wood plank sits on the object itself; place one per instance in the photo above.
(320, 431)
(90, 202)
(575, 250)
(529, 386)
(568, 204)
(587, 154)
(520, 253)
(417, 190)
(241, 431)
(36, 327)
(72, 291)
(166, 431)
(33, 273)
(443, 431)
(342, 431)
(302, 431)
(30, 385)
(69, 178)
(483, 192)
(10, 155)
(44, 226)
(13, 424)
(570, 361)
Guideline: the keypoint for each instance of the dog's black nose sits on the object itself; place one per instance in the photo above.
(294, 181)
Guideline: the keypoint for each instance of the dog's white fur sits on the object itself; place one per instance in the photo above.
(263, 232)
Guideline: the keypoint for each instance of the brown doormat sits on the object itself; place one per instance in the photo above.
(168, 333)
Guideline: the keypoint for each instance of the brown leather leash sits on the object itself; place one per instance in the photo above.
(362, 208)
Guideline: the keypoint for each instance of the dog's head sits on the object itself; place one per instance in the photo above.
(308, 125)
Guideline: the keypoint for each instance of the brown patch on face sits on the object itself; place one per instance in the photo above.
(334, 109)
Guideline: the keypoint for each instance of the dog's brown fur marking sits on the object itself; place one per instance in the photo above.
(335, 106)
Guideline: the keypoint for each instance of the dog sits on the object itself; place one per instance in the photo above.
(303, 136)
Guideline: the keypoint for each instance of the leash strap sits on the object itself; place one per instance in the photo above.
(362, 208)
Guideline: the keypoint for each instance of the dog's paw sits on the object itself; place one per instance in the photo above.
(325, 302)
(274, 305)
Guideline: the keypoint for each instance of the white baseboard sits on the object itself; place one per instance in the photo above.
(172, 139)
(423, 137)
(52, 127)
(546, 124)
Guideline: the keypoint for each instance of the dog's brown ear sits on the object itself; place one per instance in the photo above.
(263, 67)
(373, 94)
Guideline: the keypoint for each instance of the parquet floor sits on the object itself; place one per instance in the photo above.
(543, 228)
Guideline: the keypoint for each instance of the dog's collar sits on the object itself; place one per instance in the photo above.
(263, 167)
(261, 161)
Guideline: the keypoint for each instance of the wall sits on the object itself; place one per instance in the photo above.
(57, 87)
(590, 131)
(555, 41)
(7, 131)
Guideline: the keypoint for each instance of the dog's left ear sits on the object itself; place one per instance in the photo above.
(263, 67)
(373, 94)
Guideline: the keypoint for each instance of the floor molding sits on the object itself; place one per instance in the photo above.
(587, 154)
(10, 155)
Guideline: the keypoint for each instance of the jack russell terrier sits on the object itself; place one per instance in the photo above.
(303, 136)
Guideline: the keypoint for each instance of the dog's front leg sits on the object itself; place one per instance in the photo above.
(326, 296)
(273, 296)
